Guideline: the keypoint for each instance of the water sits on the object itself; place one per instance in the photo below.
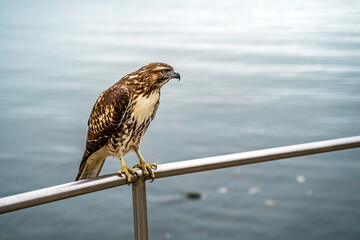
(255, 75)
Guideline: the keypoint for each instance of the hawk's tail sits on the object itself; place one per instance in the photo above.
(90, 167)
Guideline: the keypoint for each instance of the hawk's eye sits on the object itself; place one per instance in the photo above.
(163, 72)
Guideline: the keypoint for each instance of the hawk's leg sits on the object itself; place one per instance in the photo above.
(147, 168)
(126, 170)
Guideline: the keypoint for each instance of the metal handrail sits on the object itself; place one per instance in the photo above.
(55, 193)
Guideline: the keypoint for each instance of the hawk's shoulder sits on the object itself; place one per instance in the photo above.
(106, 115)
(108, 108)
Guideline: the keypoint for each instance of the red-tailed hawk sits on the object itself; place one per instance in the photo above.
(120, 117)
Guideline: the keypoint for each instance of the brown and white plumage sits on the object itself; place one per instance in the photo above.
(120, 117)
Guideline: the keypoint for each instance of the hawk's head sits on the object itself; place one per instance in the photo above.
(157, 74)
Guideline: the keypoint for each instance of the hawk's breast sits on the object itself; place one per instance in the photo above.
(141, 112)
(145, 107)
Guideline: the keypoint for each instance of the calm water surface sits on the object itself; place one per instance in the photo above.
(255, 74)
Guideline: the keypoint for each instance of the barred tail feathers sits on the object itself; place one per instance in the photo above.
(91, 165)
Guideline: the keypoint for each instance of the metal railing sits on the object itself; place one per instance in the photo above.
(55, 193)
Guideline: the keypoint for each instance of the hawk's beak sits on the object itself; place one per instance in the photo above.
(175, 75)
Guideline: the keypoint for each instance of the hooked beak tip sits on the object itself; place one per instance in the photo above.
(176, 75)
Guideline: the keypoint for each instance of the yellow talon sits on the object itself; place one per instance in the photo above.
(126, 170)
(128, 173)
(146, 168)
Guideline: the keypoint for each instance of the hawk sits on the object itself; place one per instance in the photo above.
(120, 117)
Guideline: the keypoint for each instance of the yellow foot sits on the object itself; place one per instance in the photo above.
(147, 169)
(128, 172)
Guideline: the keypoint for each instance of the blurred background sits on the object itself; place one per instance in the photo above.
(255, 75)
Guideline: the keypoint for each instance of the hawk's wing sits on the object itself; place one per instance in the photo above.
(106, 115)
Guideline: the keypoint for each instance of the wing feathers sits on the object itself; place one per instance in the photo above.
(108, 111)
